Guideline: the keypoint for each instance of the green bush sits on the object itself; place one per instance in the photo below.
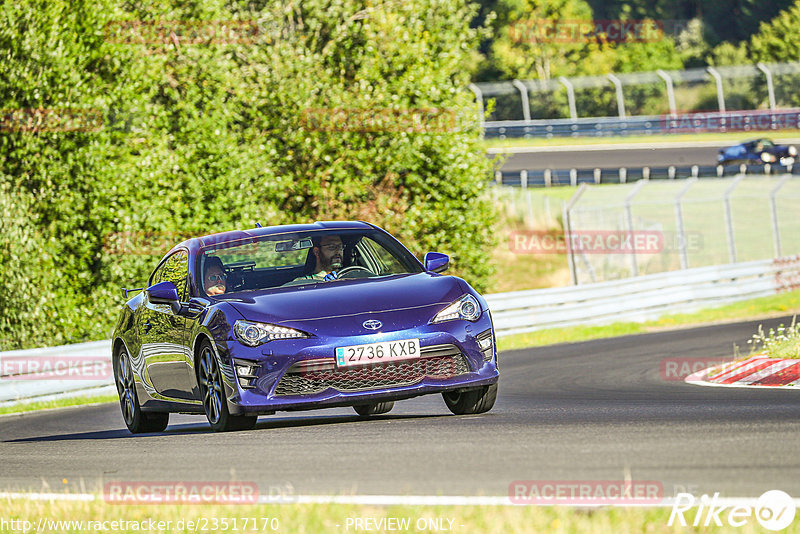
(203, 136)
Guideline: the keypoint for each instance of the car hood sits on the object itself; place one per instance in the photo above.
(301, 306)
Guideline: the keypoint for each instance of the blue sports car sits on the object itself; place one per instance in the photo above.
(757, 152)
(245, 323)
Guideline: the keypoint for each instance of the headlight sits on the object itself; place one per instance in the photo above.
(253, 334)
(792, 150)
(766, 157)
(466, 307)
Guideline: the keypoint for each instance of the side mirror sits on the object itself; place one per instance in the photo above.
(436, 262)
(164, 293)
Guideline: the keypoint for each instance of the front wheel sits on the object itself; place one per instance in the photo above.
(137, 421)
(365, 410)
(212, 393)
(471, 401)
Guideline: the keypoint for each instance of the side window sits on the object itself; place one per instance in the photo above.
(380, 259)
(176, 270)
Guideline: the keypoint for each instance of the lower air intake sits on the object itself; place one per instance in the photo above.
(437, 362)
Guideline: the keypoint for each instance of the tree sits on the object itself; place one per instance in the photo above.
(328, 110)
(776, 40)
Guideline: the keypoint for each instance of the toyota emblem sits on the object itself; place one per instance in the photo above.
(372, 324)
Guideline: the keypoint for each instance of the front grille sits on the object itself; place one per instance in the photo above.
(307, 377)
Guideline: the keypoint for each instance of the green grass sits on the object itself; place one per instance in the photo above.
(776, 305)
(324, 518)
(780, 342)
(57, 403)
(733, 137)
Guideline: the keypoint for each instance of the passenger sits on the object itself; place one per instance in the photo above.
(214, 278)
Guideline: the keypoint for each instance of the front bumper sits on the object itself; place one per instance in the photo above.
(302, 375)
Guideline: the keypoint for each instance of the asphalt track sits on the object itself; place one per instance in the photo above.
(572, 412)
(613, 158)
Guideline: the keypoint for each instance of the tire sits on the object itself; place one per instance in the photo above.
(212, 395)
(137, 421)
(365, 410)
(472, 401)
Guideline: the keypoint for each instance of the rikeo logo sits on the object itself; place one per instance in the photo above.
(774, 510)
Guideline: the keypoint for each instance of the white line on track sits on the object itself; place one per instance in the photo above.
(392, 500)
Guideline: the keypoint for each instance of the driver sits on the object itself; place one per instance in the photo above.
(329, 253)
(214, 278)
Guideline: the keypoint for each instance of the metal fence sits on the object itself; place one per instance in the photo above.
(621, 175)
(742, 97)
(656, 226)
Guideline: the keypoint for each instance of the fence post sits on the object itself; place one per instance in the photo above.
(670, 92)
(776, 230)
(523, 179)
(573, 111)
(565, 215)
(720, 96)
(479, 97)
(679, 221)
(523, 93)
(770, 87)
(620, 97)
(629, 217)
(729, 219)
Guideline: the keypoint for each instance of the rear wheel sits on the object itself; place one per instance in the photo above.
(365, 410)
(471, 401)
(136, 420)
(212, 393)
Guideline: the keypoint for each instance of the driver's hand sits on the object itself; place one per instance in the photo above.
(330, 276)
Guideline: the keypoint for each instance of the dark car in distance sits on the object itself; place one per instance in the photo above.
(757, 152)
(238, 324)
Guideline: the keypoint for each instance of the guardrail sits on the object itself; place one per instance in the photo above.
(631, 299)
(56, 372)
(621, 175)
(729, 121)
(641, 298)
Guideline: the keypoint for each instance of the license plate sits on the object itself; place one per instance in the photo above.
(383, 351)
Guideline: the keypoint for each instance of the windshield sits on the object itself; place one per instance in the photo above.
(317, 257)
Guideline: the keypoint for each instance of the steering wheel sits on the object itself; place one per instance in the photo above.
(352, 268)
